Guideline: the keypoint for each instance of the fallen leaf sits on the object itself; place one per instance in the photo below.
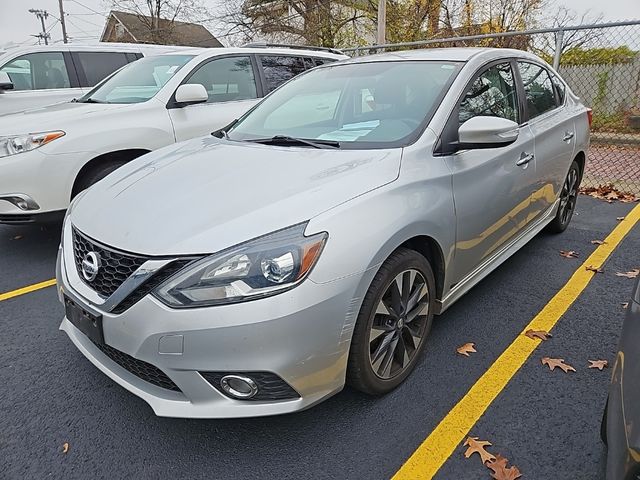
(568, 254)
(593, 269)
(598, 242)
(18, 237)
(619, 218)
(624, 304)
(540, 334)
(599, 364)
(500, 470)
(65, 447)
(632, 274)
(466, 349)
(609, 193)
(478, 446)
(552, 363)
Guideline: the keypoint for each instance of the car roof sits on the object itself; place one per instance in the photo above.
(210, 52)
(451, 54)
(98, 46)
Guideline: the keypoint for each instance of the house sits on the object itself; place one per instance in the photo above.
(126, 27)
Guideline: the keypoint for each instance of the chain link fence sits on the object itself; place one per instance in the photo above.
(601, 64)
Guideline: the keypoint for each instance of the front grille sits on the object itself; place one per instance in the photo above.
(270, 385)
(140, 369)
(115, 266)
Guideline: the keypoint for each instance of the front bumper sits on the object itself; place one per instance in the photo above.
(302, 336)
(43, 181)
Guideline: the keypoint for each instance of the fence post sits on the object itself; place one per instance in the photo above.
(558, 52)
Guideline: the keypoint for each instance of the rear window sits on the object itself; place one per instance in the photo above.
(98, 65)
(279, 69)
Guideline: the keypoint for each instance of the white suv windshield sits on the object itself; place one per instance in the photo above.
(358, 105)
(137, 82)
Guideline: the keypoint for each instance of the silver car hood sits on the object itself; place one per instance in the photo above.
(207, 194)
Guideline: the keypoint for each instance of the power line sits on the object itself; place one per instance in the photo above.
(88, 8)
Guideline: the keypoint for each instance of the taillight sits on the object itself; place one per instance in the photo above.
(590, 116)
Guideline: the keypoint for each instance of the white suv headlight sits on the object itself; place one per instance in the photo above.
(14, 144)
(258, 268)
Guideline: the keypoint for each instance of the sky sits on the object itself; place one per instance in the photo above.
(85, 18)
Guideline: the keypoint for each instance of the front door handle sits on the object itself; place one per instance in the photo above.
(567, 136)
(525, 158)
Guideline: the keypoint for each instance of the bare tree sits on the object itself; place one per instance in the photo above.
(571, 39)
(159, 16)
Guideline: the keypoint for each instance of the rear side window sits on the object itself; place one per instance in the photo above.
(226, 79)
(538, 89)
(279, 69)
(322, 61)
(492, 94)
(38, 71)
(98, 65)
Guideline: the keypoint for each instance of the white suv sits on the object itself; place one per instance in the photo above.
(40, 75)
(49, 155)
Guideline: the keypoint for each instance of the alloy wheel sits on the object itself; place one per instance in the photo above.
(568, 196)
(399, 324)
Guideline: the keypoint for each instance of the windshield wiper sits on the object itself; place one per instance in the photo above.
(90, 100)
(286, 140)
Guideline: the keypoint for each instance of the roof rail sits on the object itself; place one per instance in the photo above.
(299, 47)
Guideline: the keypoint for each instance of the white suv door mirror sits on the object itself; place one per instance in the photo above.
(487, 132)
(191, 93)
(5, 81)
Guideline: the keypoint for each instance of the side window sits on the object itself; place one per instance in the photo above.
(538, 89)
(98, 65)
(227, 79)
(492, 94)
(279, 69)
(38, 71)
(322, 61)
(560, 88)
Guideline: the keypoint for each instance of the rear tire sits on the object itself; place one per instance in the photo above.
(603, 425)
(95, 174)
(393, 323)
(568, 199)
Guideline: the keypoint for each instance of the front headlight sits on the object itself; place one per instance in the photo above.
(259, 268)
(15, 144)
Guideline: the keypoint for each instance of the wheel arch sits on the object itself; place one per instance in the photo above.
(429, 248)
(581, 160)
(125, 155)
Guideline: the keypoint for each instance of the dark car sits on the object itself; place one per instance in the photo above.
(621, 420)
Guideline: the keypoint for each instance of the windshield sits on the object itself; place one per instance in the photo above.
(360, 105)
(137, 82)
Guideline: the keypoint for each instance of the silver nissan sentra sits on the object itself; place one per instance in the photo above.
(310, 243)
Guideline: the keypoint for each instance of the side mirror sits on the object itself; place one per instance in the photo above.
(486, 132)
(191, 93)
(5, 81)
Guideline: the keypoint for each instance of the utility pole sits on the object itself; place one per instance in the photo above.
(65, 39)
(42, 15)
(382, 22)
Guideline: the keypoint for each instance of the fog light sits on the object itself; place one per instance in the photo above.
(238, 386)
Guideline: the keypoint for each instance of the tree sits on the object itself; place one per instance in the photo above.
(158, 16)
(314, 22)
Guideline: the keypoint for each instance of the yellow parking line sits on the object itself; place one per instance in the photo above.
(28, 289)
(425, 462)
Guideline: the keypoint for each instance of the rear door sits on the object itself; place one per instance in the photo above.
(39, 79)
(492, 187)
(553, 128)
(231, 84)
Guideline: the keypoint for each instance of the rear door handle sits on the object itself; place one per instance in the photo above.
(525, 158)
(567, 136)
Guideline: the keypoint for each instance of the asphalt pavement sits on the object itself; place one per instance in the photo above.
(545, 422)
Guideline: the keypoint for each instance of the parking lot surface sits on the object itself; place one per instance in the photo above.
(546, 423)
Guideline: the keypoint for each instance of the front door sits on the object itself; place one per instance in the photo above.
(231, 85)
(492, 187)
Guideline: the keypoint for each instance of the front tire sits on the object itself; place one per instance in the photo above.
(393, 323)
(96, 174)
(568, 199)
